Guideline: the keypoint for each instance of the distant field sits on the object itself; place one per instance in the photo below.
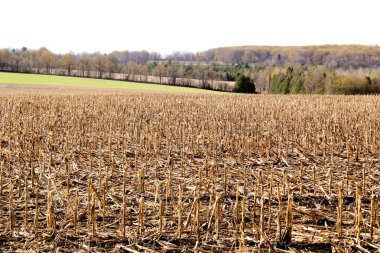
(63, 81)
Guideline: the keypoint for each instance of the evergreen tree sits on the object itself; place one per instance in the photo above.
(244, 84)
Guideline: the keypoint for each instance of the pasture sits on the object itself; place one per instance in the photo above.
(77, 82)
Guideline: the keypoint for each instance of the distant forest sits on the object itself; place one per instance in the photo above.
(332, 69)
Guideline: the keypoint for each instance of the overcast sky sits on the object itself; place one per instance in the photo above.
(170, 25)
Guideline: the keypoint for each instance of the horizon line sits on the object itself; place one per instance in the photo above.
(195, 52)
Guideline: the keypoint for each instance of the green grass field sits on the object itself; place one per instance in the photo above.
(64, 81)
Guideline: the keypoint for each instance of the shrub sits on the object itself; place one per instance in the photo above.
(244, 84)
(349, 85)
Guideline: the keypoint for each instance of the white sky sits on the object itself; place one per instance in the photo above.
(169, 25)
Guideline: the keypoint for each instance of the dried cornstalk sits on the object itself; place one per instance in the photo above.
(123, 214)
(161, 214)
(301, 181)
(262, 213)
(217, 216)
(1, 177)
(141, 216)
(142, 179)
(198, 218)
(93, 214)
(89, 192)
(289, 218)
(261, 181)
(75, 216)
(314, 180)
(358, 213)
(363, 178)
(225, 179)
(330, 180)
(12, 218)
(179, 209)
(236, 209)
(340, 210)
(242, 222)
(254, 207)
(279, 212)
(19, 178)
(373, 215)
(347, 182)
(51, 222)
(284, 181)
(270, 204)
(104, 202)
(265, 237)
(26, 218)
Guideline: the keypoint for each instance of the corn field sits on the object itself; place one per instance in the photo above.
(189, 173)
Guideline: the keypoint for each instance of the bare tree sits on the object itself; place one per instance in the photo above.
(174, 70)
(131, 69)
(26, 61)
(159, 71)
(111, 64)
(204, 74)
(4, 58)
(48, 60)
(145, 71)
(99, 63)
(85, 65)
(69, 61)
(16, 59)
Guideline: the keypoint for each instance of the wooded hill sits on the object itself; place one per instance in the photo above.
(335, 56)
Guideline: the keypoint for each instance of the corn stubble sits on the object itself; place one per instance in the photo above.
(174, 172)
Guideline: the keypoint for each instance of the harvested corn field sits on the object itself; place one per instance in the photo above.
(189, 173)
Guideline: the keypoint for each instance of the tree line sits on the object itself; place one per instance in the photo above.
(339, 70)
(310, 79)
(133, 65)
(334, 56)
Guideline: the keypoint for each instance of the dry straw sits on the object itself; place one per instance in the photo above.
(173, 172)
